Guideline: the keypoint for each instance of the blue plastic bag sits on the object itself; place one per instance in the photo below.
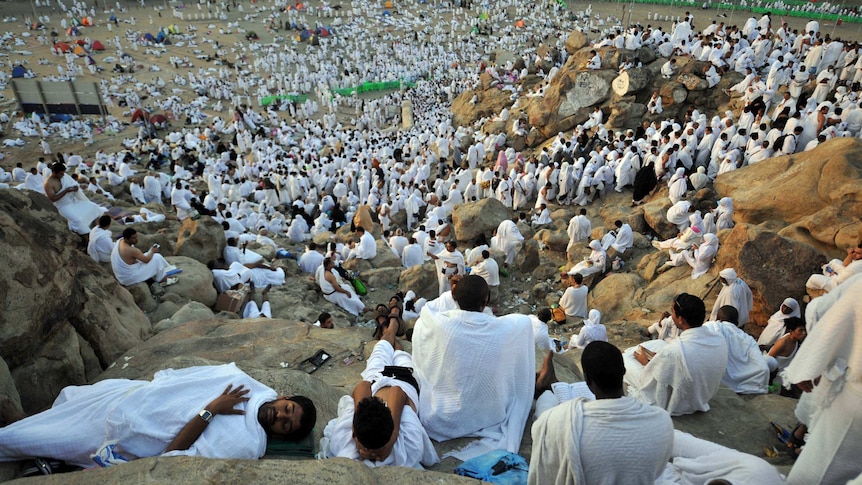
(499, 466)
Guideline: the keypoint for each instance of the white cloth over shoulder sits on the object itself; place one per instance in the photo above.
(697, 461)
(684, 374)
(607, 441)
(747, 371)
(132, 274)
(100, 245)
(78, 210)
(833, 352)
(477, 376)
(144, 417)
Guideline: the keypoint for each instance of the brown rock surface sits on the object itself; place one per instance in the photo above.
(775, 267)
(482, 217)
(202, 471)
(816, 194)
(575, 41)
(489, 103)
(202, 239)
(63, 316)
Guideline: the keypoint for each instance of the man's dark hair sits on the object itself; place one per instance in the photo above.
(544, 315)
(372, 423)
(578, 277)
(691, 308)
(728, 313)
(308, 420)
(225, 225)
(618, 223)
(129, 232)
(312, 246)
(486, 254)
(471, 293)
(603, 366)
(360, 229)
(792, 323)
(324, 316)
(582, 212)
(57, 167)
(105, 221)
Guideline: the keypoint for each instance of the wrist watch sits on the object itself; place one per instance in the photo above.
(206, 415)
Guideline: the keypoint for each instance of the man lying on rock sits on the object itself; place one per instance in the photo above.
(208, 411)
(379, 423)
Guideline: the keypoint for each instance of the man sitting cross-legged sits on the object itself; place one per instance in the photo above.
(379, 423)
(477, 371)
(612, 439)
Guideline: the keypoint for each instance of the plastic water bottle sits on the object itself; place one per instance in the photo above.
(282, 254)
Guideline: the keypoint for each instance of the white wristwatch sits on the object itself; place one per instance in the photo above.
(206, 415)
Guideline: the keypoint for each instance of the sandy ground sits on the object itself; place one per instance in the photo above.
(148, 20)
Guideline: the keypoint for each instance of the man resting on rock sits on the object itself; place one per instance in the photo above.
(379, 423)
(207, 411)
(132, 266)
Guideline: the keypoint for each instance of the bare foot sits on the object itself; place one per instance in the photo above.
(251, 290)
(265, 291)
(546, 375)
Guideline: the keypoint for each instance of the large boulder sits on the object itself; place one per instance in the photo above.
(816, 194)
(571, 90)
(195, 282)
(188, 313)
(575, 41)
(482, 217)
(631, 81)
(202, 240)
(553, 240)
(62, 316)
(775, 267)
(489, 103)
(655, 215)
(382, 277)
(615, 295)
(385, 257)
(422, 279)
(527, 258)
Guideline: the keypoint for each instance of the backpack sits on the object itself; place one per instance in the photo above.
(778, 144)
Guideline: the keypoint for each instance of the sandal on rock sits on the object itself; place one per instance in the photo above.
(381, 321)
(170, 281)
(400, 322)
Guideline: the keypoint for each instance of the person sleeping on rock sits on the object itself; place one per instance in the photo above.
(206, 411)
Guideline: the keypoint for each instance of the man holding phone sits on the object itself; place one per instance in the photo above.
(132, 266)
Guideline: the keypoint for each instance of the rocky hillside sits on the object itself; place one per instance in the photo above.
(66, 321)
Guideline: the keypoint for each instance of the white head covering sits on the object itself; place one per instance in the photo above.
(729, 274)
(794, 309)
(595, 318)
